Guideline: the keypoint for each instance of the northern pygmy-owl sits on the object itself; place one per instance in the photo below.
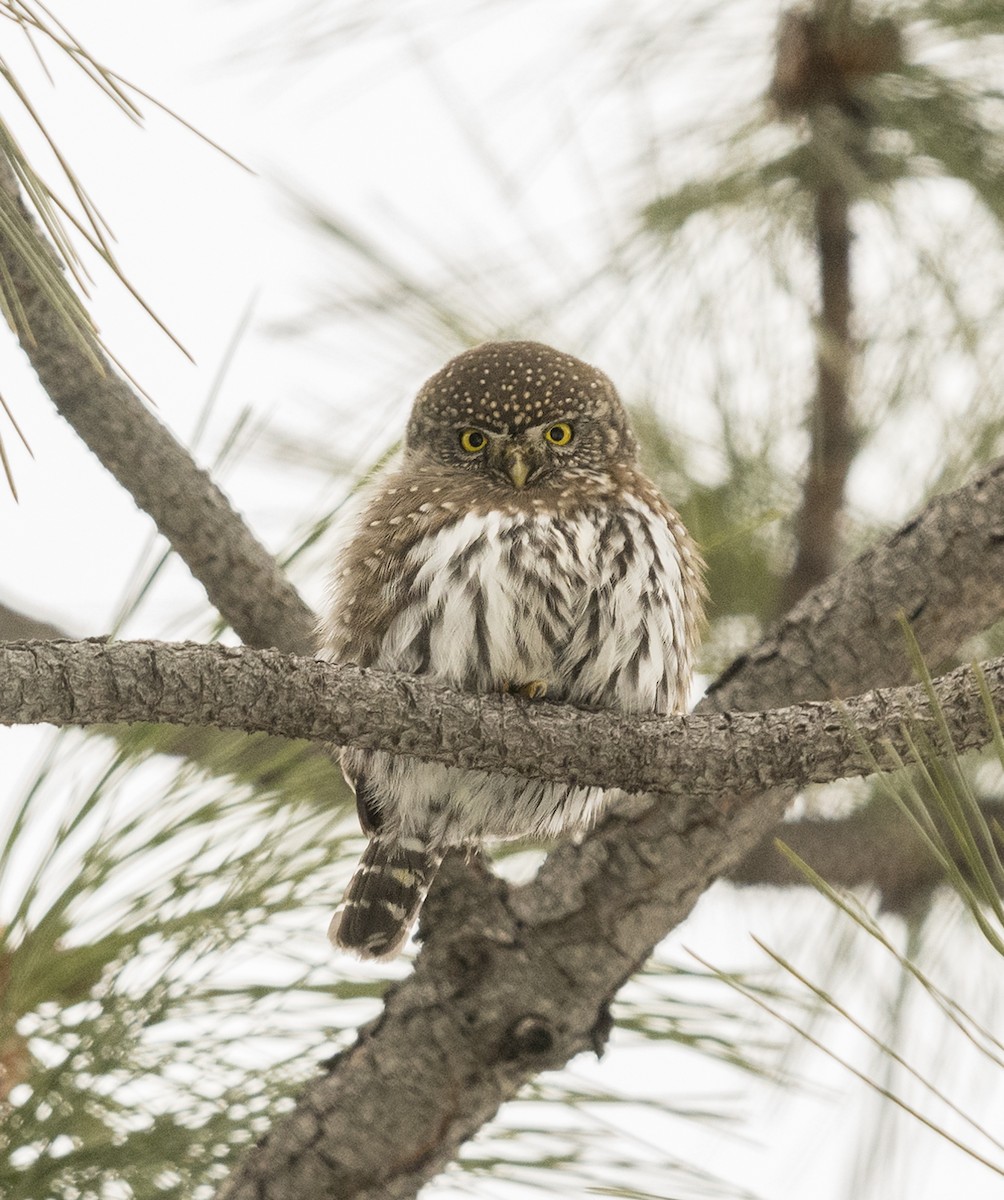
(514, 544)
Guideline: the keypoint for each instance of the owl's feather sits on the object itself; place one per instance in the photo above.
(383, 897)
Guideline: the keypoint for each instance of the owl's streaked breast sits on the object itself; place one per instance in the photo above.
(488, 599)
(590, 604)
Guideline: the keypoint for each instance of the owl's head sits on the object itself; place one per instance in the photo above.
(522, 413)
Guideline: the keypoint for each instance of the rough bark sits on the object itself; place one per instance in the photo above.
(872, 846)
(253, 761)
(703, 756)
(242, 579)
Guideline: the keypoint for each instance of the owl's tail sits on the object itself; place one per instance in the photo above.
(383, 897)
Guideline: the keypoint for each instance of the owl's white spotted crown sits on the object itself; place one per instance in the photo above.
(512, 385)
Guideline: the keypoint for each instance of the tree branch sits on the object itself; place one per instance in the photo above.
(832, 444)
(513, 981)
(17, 626)
(703, 756)
(874, 846)
(241, 578)
(310, 769)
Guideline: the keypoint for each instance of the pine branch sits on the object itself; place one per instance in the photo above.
(872, 846)
(710, 756)
(260, 761)
(241, 578)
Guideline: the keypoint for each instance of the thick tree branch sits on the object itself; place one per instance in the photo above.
(702, 756)
(241, 578)
(513, 981)
(248, 760)
(872, 846)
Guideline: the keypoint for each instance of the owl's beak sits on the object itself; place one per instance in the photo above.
(517, 468)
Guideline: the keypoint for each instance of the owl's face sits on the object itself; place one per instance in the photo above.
(522, 415)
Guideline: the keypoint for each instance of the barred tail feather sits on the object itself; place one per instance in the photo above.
(383, 897)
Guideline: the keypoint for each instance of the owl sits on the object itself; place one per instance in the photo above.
(513, 545)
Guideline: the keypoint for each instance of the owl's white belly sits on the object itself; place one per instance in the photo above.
(591, 605)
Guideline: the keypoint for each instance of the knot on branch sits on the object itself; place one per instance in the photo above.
(530, 1036)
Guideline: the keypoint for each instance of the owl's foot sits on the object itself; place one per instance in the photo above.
(535, 689)
(476, 857)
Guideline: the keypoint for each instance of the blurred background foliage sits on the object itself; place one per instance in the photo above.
(781, 234)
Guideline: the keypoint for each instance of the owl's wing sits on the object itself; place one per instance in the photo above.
(370, 814)
(370, 817)
(344, 531)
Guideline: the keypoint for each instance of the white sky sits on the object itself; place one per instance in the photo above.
(365, 132)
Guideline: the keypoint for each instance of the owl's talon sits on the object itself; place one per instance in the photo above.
(536, 689)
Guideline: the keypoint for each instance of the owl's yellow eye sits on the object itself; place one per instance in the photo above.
(560, 434)
(473, 441)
